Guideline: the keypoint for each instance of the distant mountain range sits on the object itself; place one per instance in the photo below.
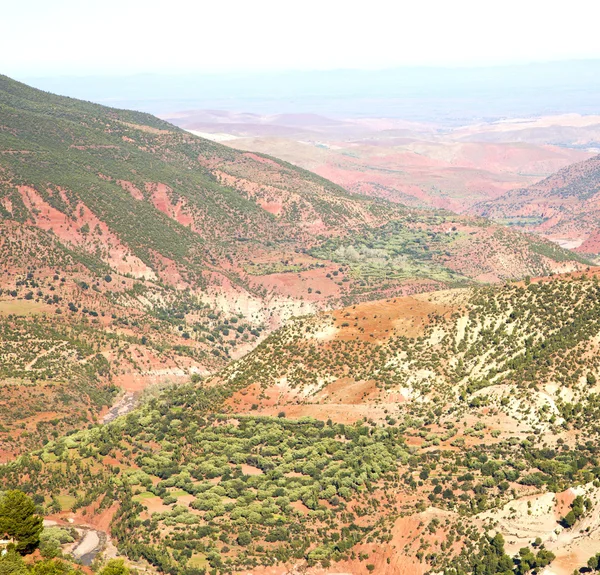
(564, 206)
(412, 163)
(452, 96)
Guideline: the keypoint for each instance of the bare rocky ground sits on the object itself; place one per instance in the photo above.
(122, 406)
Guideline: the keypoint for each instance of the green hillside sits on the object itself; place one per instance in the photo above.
(140, 247)
(199, 483)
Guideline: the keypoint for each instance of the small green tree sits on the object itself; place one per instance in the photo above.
(594, 562)
(578, 508)
(115, 567)
(19, 521)
(569, 519)
(11, 563)
(244, 538)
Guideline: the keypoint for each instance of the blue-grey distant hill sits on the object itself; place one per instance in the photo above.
(447, 95)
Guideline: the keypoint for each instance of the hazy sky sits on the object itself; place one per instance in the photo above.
(49, 37)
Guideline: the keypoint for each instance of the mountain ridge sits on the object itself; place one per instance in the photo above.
(564, 205)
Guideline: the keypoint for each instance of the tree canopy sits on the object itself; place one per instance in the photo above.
(19, 520)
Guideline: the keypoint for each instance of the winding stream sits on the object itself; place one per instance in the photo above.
(89, 545)
(93, 541)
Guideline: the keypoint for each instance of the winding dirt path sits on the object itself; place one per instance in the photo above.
(44, 353)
